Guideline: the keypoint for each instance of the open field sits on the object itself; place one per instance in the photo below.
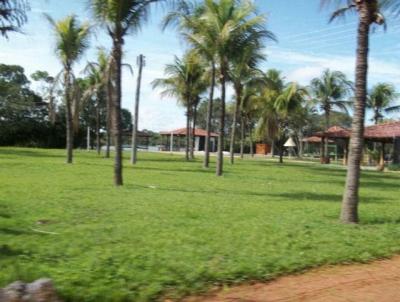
(175, 229)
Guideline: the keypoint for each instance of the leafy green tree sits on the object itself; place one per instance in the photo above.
(12, 16)
(49, 91)
(71, 41)
(369, 13)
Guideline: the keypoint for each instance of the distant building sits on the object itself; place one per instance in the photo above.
(175, 140)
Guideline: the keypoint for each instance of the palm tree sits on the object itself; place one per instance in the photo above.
(369, 13)
(380, 99)
(71, 41)
(277, 103)
(187, 16)
(184, 81)
(98, 77)
(12, 16)
(231, 24)
(119, 18)
(248, 115)
(243, 72)
(329, 92)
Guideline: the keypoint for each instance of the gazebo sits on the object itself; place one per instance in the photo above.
(173, 140)
(386, 133)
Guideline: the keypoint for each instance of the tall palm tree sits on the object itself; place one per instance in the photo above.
(98, 76)
(184, 81)
(330, 91)
(230, 23)
(369, 13)
(380, 99)
(187, 16)
(72, 39)
(12, 15)
(242, 72)
(248, 115)
(119, 17)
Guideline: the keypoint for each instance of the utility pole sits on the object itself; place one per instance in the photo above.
(141, 64)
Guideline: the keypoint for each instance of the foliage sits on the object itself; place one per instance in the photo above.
(381, 98)
(12, 15)
(178, 229)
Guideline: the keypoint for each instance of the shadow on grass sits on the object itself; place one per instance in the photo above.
(284, 197)
(379, 221)
(5, 215)
(29, 153)
(6, 251)
(311, 196)
(15, 232)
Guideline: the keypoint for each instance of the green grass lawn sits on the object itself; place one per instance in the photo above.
(175, 229)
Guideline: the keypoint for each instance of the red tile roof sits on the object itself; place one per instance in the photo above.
(314, 140)
(182, 132)
(382, 131)
(386, 130)
(335, 132)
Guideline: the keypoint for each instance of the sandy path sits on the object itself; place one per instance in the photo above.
(377, 281)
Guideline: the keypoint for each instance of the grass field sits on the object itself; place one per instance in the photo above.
(175, 229)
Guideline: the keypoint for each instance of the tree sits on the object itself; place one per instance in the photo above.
(184, 81)
(71, 40)
(49, 91)
(12, 16)
(229, 23)
(98, 73)
(380, 99)
(278, 103)
(119, 18)
(330, 91)
(369, 13)
(243, 72)
(191, 26)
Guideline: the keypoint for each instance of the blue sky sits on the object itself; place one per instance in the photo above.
(307, 45)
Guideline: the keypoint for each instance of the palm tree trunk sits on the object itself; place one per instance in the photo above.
(206, 163)
(241, 136)
(194, 131)
(234, 124)
(68, 115)
(251, 141)
(98, 147)
(108, 116)
(116, 113)
(136, 118)
(280, 153)
(187, 133)
(349, 213)
(221, 136)
(326, 158)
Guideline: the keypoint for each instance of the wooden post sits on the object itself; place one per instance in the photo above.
(171, 146)
(346, 153)
(381, 165)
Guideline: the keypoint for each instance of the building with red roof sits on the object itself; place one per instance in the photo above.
(174, 140)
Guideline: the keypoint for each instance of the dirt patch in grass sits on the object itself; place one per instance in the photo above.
(377, 281)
